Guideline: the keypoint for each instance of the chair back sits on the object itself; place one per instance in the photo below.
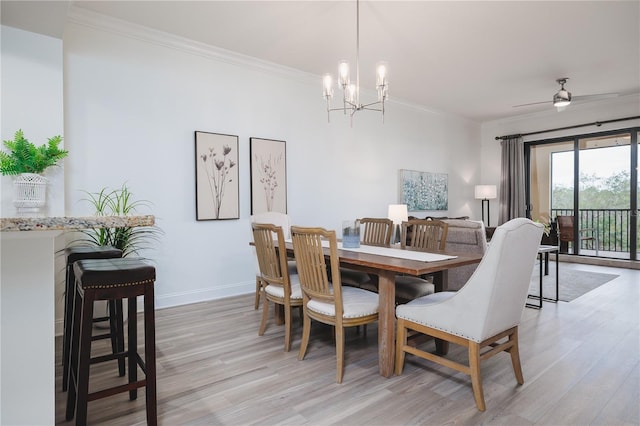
(494, 297)
(313, 269)
(275, 218)
(565, 228)
(425, 234)
(272, 255)
(377, 231)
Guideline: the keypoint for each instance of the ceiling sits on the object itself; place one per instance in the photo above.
(474, 59)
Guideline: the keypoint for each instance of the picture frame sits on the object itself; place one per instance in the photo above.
(424, 191)
(217, 186)
(268, 164)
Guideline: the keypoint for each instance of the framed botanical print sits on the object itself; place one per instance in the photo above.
(217, 189)
(268, 175)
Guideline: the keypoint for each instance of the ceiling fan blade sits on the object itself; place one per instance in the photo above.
(532, 103)
(595, 97)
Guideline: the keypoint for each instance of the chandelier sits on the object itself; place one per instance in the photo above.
(351, 92)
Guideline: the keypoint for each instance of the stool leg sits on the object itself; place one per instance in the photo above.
(84, 359)
(132, 352)
(117, 332)
(150, 355)
(73, 355)
(69, 295)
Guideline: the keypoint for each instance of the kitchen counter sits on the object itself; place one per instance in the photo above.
(27, 311)
(63, 223)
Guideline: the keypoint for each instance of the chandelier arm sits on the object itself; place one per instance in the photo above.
(371, 103)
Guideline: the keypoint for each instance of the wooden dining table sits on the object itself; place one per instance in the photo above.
(386, 268)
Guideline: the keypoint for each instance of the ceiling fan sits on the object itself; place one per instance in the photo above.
(563, 97)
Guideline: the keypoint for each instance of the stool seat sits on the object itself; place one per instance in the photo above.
(112, 279)
(73, 254)
(106, 273)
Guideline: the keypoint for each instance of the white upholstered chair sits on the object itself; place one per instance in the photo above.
(324, 298)
(278, 219)
(483, 312)
(279, 287)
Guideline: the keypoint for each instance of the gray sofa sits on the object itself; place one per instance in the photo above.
(464, 236)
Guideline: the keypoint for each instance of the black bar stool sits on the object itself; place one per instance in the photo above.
(112, 279)
(115, 318)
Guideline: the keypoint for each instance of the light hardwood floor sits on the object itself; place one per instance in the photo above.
(581, 364)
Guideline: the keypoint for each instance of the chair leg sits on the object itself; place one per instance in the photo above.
(401, 341)
(258, 292)
(306, 331)
(265, 314)
(515, 357)
(74, 344)
(287, 327)
(339, 353)
(476, 378)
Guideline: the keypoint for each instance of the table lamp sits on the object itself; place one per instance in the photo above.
(486, 193)
(398, 214)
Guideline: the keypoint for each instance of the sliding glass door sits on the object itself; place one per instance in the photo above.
(586, 188)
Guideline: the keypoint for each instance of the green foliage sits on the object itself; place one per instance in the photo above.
(120, 202)
(25, 157)
(596, 192)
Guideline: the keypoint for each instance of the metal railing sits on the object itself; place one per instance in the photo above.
(611, 225)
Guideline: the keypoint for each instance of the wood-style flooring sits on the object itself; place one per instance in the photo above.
(581, 363)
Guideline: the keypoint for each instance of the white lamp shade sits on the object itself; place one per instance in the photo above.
(398, 213)
(486, 192)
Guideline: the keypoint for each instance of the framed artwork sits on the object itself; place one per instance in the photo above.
(217, 189)
(422, 191)
(268, 175)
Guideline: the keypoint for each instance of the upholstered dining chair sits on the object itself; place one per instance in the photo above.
(424, 235)
(481, 314)
(280, 287)
(324, 298)
(375, 232)
(278, 219)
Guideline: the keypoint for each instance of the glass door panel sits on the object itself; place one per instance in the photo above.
(604, 189)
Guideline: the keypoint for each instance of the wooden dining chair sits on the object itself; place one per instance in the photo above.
(280, 287)
(324, 298)
(375, 232)
(278, 219)
(423, 235)
(483, 312)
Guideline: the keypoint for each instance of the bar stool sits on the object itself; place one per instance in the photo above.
(112, 279)
(115, 319)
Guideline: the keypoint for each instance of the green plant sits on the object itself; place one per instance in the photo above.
(25, 157)
(120, 202)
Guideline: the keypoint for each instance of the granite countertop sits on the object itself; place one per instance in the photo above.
(8, 224)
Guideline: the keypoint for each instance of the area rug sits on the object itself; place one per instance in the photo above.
(573, 282)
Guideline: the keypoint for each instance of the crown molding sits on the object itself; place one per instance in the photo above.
(86, 18)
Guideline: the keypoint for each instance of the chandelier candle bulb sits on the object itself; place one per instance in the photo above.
(343, 74)
(327, 91)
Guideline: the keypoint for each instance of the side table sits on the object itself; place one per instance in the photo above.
(545, 250)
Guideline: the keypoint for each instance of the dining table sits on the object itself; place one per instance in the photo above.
(386, 263)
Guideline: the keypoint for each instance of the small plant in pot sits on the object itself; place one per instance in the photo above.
(27, 162)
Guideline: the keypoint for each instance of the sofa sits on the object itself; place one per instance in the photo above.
(463, 236)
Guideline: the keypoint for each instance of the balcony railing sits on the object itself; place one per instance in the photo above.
(612, 226)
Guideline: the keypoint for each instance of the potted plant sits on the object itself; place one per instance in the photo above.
(27, 162)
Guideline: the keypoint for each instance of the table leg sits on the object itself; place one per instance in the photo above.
(386, 322)
(546, 263)
(539, 306)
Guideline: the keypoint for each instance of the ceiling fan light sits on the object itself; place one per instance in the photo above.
(562, 98)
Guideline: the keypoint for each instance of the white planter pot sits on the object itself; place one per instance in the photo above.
(29, 193)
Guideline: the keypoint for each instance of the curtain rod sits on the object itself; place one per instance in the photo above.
(595, 123)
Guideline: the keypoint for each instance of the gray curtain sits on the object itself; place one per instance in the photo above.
(512, 199)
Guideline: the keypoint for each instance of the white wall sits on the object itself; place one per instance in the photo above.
(575, 114)
(133, 99)
(32, 101)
